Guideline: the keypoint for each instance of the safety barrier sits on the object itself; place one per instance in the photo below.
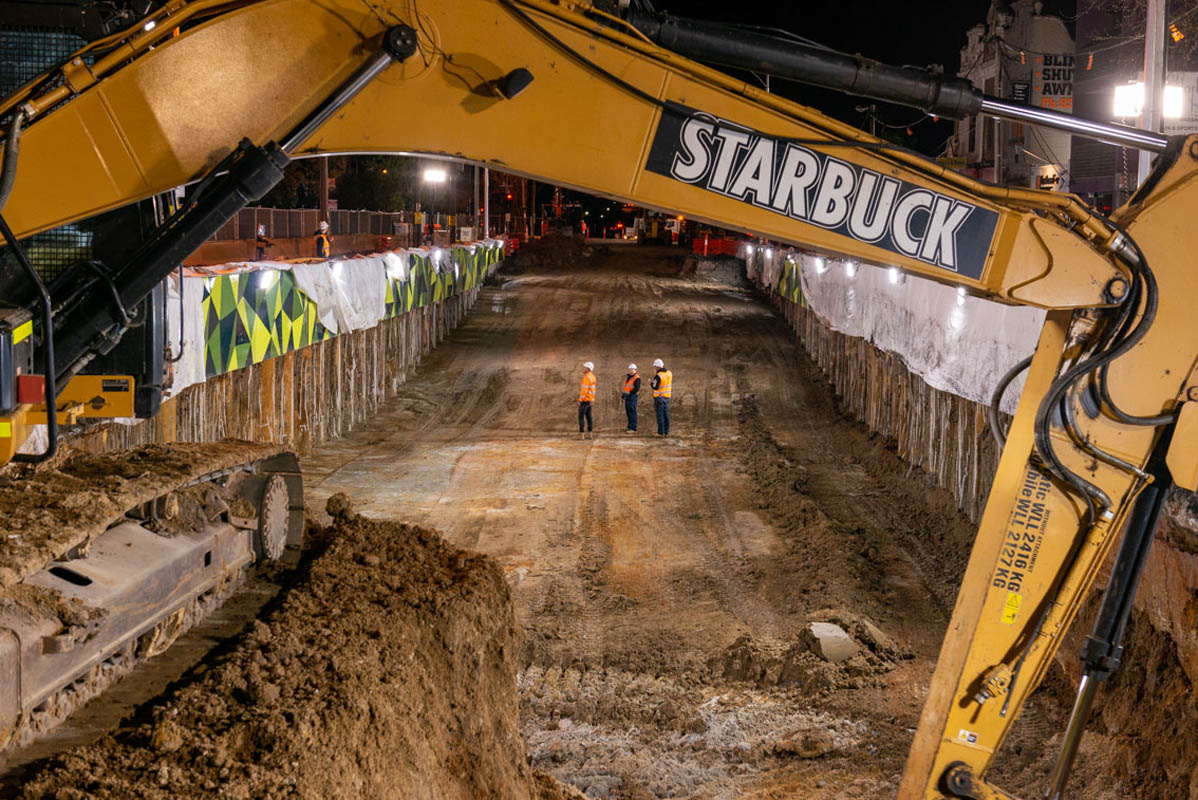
(716, 246)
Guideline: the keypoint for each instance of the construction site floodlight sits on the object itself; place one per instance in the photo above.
(1129, 101)
(435, 175)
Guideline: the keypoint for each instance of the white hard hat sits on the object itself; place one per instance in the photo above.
(657, 362)
(261, 230)
(632, 367)
(588, 365)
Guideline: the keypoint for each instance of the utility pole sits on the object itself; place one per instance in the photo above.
(998, 143)
(486, 202)
(324, 187)
(1154, 78)
(532, 208)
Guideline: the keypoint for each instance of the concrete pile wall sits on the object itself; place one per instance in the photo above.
(305, 396)
(942, 433)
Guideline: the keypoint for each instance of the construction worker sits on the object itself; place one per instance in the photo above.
(586, 399)
(262, 244)
(324, 240)
(631, 393)
(662, 384)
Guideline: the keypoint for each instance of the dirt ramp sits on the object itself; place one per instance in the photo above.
(386, 671)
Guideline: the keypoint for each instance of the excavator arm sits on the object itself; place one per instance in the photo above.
(569, 94)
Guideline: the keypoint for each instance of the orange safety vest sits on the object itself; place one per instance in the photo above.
(587, 393)
(630, 383)
(665, 382)
(322, 245)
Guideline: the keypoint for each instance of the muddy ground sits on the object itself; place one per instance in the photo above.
(387, 669)
(660, 586)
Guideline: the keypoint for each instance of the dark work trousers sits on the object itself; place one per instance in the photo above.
(630, 410)
(662, 406)
(584, 412)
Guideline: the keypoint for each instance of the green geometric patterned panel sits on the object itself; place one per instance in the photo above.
(251, 317)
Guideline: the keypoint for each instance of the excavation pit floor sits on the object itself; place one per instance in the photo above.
(652, 645)
(662, 584)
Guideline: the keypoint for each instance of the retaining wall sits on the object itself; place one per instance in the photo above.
(307, 395)
(947, 436)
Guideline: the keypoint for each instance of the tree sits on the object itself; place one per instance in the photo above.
(376, 183)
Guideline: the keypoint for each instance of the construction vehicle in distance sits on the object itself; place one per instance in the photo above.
(620, 106)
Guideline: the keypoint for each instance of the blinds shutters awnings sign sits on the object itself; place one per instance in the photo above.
(1052, 82)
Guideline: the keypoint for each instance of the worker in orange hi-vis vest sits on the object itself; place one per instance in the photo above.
(324, 241)
(586, 399)
(663, 389)
(631, 393)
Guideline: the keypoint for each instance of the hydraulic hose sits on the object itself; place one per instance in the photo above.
(12, 149)
(992, 417)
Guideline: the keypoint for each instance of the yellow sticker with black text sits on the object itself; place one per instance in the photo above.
(1011, 609)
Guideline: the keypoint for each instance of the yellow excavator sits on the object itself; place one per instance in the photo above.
(222, 94)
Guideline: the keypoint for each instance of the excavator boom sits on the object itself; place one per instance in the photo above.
(572, 95)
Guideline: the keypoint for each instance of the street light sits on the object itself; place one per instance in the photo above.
(436, 176)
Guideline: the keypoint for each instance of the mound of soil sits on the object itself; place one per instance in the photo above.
(729, 270)
(548, 254)
(387, 670)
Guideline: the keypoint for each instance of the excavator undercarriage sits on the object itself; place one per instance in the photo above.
(119, 588)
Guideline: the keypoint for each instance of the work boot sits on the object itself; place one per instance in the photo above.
(582, 435)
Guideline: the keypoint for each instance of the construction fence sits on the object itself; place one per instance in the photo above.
(295, 223)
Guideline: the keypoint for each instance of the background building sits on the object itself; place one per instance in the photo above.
(1023, 54)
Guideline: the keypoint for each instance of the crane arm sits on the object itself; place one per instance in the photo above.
(565, 93)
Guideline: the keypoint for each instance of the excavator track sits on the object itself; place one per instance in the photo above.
(136, 547)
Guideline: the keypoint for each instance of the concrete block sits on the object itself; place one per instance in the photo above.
(828, 641)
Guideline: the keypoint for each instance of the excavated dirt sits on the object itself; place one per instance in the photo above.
(386, 670)
(49, 510)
